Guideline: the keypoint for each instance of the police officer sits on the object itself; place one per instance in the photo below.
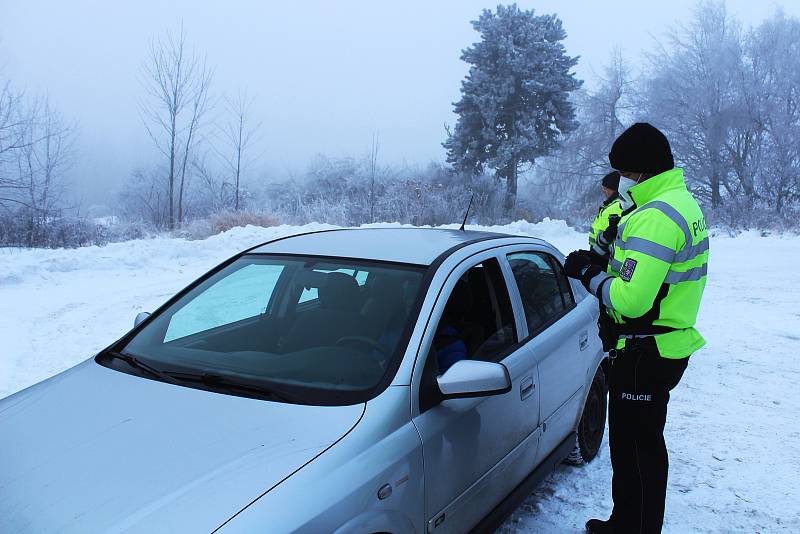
(608, 213)
(651, 289)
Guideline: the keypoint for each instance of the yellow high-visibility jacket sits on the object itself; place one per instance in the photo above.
(658, 266)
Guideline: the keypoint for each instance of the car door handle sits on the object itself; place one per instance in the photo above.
(584, 340)
(526, 387)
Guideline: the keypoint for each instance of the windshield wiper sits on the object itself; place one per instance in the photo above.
(209, 379)
(235, 385)
(133, 361)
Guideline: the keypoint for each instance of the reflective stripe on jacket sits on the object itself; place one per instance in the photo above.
(659, 265)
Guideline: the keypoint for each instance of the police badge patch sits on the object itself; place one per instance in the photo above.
(626, 273)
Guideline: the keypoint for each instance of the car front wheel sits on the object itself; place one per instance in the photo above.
(593, 422)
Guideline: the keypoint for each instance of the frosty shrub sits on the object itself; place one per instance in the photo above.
(25, 228)
(739, 214)
(224, 221)
(341, 193)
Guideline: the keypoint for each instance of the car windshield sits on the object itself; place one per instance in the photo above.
(319, 331)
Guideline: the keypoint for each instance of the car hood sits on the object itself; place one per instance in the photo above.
(94, 449)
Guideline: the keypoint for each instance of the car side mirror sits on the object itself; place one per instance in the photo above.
(140, 317)
(474, 378)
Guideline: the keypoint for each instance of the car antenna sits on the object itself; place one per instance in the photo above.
(467, 213)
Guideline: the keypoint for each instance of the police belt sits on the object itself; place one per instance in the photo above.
(636, 337)
(625, 330)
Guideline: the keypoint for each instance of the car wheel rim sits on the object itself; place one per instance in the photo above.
(593, 421)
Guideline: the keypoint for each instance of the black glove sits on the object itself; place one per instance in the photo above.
(576, 261)
(608, 235)
(597, 259)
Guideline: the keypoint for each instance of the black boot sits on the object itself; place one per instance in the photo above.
(598, 526)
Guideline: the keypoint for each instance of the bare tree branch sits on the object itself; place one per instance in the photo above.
(238, 134)
(177, 83)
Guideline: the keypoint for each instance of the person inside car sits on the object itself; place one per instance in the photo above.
(449, 340)
(450, 348)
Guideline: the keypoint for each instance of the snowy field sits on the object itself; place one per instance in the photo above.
(734, 426)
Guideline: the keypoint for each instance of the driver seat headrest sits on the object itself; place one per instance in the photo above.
(339, 291)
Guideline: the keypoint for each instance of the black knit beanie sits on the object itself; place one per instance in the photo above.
(611, 180)
(641, 148)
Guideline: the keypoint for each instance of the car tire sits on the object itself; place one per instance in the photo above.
(589, 435)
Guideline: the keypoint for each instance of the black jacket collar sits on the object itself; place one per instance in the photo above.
(611, 199)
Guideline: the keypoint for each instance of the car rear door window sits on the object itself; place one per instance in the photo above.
(563, 283)
(543, 288)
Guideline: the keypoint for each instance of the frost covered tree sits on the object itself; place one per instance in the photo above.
(515, 104)
(177, 83)
(42, 162)
(692, 94)
(238, 135)
(373, 166)
(36, 151)
(14, 124)
(774, 64)
(569, 177)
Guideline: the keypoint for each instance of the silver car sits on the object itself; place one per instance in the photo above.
(348, 381)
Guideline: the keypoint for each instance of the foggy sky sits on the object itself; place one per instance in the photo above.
(326, 74)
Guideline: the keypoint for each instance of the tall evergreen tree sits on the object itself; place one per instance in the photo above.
(514, 103)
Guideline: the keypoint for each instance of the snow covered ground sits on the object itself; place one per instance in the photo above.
(734, 426)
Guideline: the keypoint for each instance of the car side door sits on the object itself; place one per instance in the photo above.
(558, 334)
(475, 450)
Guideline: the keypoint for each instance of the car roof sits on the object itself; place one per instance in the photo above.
(420, 246)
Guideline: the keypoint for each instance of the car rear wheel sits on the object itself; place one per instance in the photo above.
(593, 422)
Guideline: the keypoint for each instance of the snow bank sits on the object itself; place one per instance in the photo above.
(26, 265)
(732, 430)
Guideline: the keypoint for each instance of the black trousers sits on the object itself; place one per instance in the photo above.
(639, 386)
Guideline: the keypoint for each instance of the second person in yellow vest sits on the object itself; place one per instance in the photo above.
(607, 216)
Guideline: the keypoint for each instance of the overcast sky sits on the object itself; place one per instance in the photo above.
(326, 74)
